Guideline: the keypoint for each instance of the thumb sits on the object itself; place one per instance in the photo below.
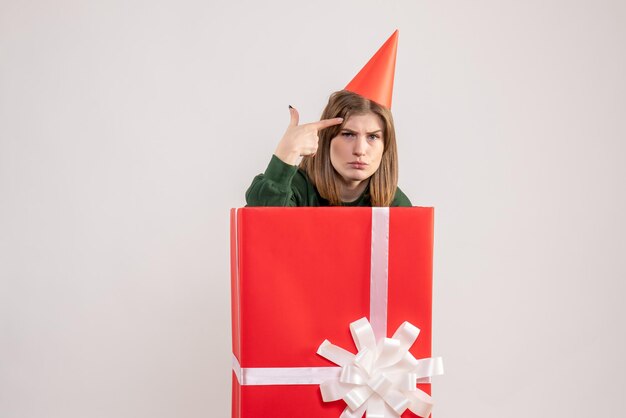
(295, 116)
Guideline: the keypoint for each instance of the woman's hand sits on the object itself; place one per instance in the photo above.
(301, 140)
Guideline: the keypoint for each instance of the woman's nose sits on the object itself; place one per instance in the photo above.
(359, 146)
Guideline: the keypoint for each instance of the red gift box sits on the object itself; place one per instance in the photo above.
(300, 276)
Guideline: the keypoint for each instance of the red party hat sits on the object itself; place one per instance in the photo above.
(375, 80)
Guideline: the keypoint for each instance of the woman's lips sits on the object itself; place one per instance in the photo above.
(357, 164)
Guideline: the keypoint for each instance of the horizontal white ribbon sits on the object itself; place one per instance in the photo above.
(263, 376)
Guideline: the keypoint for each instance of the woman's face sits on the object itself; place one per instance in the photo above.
(357, 150)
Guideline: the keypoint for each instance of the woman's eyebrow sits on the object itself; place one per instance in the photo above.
(369, 133)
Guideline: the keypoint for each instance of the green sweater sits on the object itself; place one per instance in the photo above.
(283, 184)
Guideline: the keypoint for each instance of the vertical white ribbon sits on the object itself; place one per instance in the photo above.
(379, 271)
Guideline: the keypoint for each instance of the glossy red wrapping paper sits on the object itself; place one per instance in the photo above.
(302, 275)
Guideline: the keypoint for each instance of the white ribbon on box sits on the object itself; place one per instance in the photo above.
(382, 377)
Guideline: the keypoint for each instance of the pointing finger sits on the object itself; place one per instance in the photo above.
(325, 123)
(295, 116)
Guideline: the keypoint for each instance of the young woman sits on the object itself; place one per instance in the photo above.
(349, 159)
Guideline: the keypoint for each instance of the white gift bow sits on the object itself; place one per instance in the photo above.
(381, 378)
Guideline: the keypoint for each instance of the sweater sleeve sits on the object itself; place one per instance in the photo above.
(274, 187)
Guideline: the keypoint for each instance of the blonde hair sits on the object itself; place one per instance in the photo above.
(383, 183)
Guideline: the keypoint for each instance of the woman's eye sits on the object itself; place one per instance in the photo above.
(374, 137)
(347, 134)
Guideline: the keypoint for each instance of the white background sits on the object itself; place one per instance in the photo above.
(129, 128)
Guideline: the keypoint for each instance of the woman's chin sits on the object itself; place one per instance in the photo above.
(354, 180)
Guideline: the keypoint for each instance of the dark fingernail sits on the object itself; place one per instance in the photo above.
(290, 107)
